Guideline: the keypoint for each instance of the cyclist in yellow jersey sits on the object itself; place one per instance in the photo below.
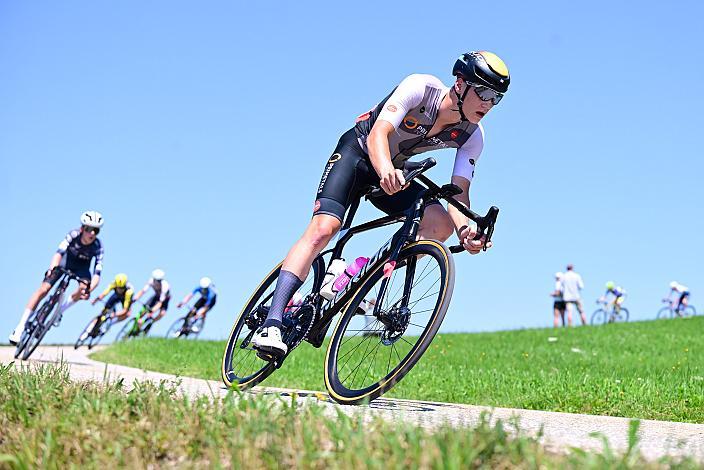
(122, 294)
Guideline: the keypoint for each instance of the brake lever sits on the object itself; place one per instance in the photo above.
(485, 228)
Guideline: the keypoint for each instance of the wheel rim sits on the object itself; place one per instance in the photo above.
(370, 354)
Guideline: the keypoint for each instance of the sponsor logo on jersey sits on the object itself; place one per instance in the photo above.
(471, 161)
(410, 122)
(363, 117)
(392, 108)
(328, 168)
(454, 134)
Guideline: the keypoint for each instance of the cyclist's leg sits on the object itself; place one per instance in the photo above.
(34, 299)
(346, 172)
(436, 223)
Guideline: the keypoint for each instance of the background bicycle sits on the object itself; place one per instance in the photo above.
(187, 325)
(609, 314)
(132, 328)
(671, 310)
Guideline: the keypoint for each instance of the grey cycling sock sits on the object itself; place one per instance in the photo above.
(286, 285)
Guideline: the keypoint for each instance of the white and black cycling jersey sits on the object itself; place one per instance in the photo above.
(412, 108)
(77, 257)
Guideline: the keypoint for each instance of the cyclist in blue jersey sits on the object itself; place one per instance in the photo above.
(208, 296)
(419, 115)
(75, 253)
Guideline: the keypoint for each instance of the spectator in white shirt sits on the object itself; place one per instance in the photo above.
(571, 286)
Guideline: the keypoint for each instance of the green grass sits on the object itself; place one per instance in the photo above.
(650, 370)
(47, 421)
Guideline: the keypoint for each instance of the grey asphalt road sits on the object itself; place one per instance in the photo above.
(560, 431)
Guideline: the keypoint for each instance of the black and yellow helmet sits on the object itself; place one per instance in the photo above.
(483, 68)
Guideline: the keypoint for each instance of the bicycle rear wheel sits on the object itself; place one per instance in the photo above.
(241, 366)
(599, 317)
(621, 316)
(665, 312)
(689, 311)
(369, 354)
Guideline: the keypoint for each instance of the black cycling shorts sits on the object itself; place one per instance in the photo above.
(153, 301)
(200, 303)
(348, 174)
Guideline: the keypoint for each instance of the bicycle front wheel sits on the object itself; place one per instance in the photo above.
(241, 366)
(665, 312)
(127, 330)
(599, 317)
(176, 328)
(45, 320)
(85, 334)
(370, 353)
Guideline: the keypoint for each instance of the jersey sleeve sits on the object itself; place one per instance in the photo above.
(467, 155)
(98, 261)
(164, 291)
(110, 287)
(405, 97)
(70, 236)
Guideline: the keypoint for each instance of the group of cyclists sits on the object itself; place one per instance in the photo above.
(614, 295)
(82, 248)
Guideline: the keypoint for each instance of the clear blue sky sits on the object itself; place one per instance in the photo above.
(200, 130)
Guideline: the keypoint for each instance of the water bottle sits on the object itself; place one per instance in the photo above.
(294, 303)
(337, 266)
(344, 278)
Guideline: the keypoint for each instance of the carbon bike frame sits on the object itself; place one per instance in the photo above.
(411, 222)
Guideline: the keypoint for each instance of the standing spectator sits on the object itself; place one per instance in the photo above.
(571, 286)
(559, 304)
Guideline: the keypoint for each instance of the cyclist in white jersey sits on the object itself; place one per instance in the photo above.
(159, 303)
(419, 115)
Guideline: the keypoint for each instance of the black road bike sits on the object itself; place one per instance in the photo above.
(409, 282)
(43, 318)
(96, 329)
(186, 326)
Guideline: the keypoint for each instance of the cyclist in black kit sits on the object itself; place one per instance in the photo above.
(419, 115)
(75, 253)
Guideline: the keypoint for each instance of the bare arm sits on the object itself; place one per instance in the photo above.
(391, 179)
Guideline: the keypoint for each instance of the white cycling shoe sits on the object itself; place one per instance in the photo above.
(269, 340)
(15, 337)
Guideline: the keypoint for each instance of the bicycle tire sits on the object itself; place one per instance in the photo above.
(410, 255)
(689, 311)
(174, 330)
(199, 323)
(26, 333)
(103, 329)
(621, 316)
(124, 333)
(44, 323)
(253, 312)
(80, 342)
(599, 317)
(663, 313)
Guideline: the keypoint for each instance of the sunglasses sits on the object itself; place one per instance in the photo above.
(95, 230)
(485, 93)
